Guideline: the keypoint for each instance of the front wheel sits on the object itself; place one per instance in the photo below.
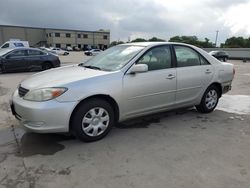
(92, 120)
(209, 100)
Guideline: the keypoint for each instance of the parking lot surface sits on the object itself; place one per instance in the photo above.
(180, 148)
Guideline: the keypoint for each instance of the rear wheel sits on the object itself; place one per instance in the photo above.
(209, 100)
(46, 66)
(92, 120)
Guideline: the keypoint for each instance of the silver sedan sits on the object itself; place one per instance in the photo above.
(121, 83)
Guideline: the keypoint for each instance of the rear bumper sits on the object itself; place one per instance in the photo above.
(226, 87)
(42, 117)
(57, 63)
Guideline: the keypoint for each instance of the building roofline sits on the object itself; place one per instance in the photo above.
(59, 29)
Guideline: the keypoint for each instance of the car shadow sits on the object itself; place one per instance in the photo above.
(48, 144)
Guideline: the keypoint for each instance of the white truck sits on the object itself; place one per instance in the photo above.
(15, 44)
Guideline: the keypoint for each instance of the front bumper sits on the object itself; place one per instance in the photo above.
(42, 117)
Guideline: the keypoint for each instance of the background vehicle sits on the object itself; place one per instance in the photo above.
(220, 55)
(86, 48)
(69, 48)
(26, 59)
(15, 44)
(123, 82)
(59, 51)
(47, 50)
(75, 48)
(92, 52)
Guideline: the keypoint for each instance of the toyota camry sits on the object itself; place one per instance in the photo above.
(123, 82)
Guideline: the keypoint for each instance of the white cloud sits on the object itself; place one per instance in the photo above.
(237, 19)
(129, 18)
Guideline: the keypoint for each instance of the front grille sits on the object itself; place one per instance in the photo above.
(22, 91)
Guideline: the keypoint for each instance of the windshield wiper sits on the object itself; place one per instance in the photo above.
(91, 67)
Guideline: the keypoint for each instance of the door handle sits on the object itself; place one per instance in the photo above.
(208, 71)
(170, 77)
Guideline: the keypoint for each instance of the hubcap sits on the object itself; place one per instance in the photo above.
(211, 99)
(95, 121)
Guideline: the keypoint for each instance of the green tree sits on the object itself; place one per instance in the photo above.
(114, 43)
(139, 40)
(155, 39)
(175, 39)
(193, 40)
(247, 42)
(237, 42)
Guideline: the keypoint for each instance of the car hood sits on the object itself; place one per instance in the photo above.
(60, 76)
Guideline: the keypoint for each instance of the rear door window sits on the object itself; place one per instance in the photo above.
(186, 56)
(35, 53)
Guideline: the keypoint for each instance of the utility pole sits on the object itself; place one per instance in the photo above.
(216, 37)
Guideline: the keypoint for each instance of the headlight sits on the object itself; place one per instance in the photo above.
(44, 94)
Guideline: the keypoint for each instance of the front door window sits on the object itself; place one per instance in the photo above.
(157, 58)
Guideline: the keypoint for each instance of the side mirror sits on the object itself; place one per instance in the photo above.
(138, 68)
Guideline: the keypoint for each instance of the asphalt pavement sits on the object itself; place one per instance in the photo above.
(180, 148)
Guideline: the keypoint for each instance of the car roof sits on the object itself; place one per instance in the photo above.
(24, 48)
(7, 50)
(150, 44)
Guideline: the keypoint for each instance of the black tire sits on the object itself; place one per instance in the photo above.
(82, 111)
(46, 66)
(66, 53)
(204, 107)
(90, 54)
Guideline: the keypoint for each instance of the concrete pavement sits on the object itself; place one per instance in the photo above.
(173, 149)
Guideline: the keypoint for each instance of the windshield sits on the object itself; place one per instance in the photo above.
(113, 58)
